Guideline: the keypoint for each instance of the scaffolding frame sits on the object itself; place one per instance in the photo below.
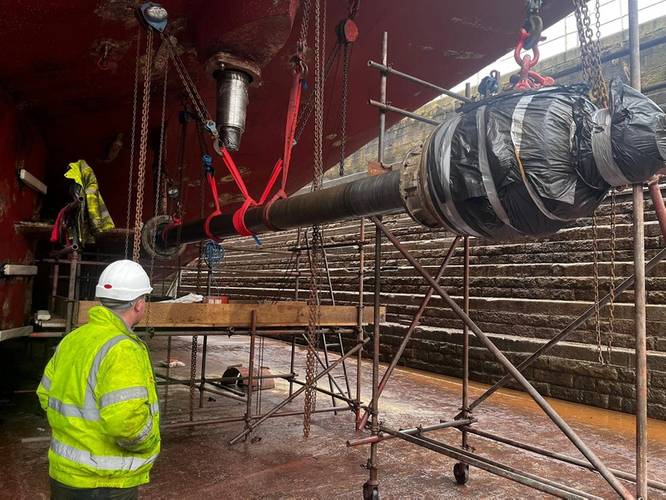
(465, 419)
(73, 258)
(367, 416)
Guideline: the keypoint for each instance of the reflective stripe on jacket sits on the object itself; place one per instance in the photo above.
(99, 394)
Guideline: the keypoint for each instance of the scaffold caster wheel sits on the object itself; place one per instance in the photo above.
(370, 492)
(461, 473)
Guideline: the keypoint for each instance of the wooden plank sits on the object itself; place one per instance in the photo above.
(12, 333)
(238, 315)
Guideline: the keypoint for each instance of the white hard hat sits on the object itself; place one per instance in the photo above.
(123, 280)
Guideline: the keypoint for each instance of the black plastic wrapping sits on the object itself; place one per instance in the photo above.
(553, 179)
(638, 133)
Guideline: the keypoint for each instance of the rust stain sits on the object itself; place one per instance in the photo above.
(108, 53)
(229, 178)
(461, 54)
(450, 53)
(472, 23)
(228, 198)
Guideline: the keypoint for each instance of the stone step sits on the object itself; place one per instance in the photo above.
(584, 269)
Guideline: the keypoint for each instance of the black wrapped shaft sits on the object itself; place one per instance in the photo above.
(378, 195)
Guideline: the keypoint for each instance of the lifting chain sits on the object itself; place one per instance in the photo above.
(313, 299)
(193, 374)
(611, 304)
(590, 51)
(130, 181)
(306, 110)
(195, 338)
(590, 48)
(595, 268)
(158, 181)
(305, 28)
(190, 88)
(344, 105)
(346, 38)
(143, 148)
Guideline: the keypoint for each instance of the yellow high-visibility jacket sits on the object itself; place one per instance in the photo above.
(99, 394)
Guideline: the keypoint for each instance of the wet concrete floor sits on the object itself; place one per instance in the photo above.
(277, 462)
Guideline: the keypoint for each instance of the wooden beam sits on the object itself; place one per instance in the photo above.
(286, 314)
(12, 333)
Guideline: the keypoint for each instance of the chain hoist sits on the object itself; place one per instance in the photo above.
(347, 32)
(143, 148)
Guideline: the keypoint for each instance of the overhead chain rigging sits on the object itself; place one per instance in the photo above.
(135, 102)
(143, 148)
(347, 33)
(590, 48)
(316, 246)
(590, 51)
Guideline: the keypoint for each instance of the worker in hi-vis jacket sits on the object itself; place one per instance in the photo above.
(99, 394)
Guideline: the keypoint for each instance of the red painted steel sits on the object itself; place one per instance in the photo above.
(20, 147)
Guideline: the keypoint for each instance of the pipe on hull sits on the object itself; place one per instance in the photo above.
(368, 196)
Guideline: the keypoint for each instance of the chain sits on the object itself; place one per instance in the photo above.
(306, 110)
(320, 50)
(135, 101)
(597, 22)
(313, 299)
(597, 323)
(590, 51)
(160, 153)
(305, 26)
(193, 373)
(611, 305)
(345, 104)
(191, 89)
(195, 339)
(143, 148)
(158, 184)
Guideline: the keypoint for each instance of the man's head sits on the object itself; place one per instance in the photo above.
(131, 312)
(123, 287)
